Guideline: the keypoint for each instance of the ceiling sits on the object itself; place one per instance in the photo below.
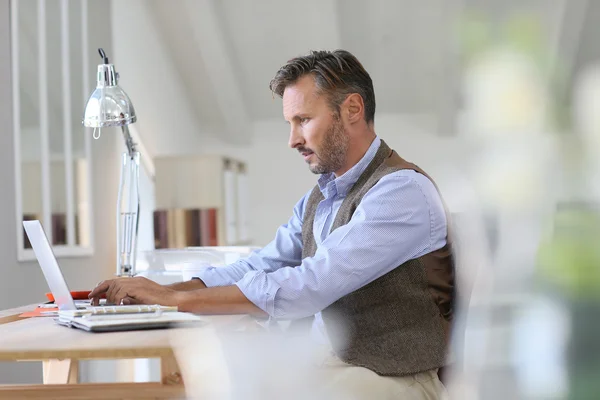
(403, 48)
(227, 51)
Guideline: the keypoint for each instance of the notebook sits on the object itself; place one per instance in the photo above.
(102, 319)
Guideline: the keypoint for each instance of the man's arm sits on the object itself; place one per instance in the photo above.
(285, 250)
(400, 218)
(217, 300)
(192, 284)
(139, 290)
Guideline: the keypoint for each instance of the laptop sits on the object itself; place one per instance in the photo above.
(47, 260)
(97, 319)
(52, 273)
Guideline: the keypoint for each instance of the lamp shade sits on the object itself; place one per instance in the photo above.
(108, 105)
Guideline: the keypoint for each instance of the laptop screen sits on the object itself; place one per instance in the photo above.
(47, 260)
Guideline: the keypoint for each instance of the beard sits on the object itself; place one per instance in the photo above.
(332, 153)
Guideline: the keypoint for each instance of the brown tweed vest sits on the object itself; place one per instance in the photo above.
(398, 324)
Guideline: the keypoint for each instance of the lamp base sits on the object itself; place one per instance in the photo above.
(125, 271)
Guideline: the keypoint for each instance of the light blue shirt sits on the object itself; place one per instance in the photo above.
(402, 217)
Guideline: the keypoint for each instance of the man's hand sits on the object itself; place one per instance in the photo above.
(137, 290)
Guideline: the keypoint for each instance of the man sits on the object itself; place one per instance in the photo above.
(365, 251)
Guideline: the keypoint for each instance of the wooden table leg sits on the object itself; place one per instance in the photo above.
(61, 371)
(169, 371)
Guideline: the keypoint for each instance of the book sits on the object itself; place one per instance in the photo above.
(212, 227)
(209, 227)
(196, 233)
(179, 228)
(161, 229)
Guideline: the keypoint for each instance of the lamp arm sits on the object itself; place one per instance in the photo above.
(131, 150)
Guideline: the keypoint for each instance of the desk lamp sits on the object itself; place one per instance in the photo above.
(109, 106)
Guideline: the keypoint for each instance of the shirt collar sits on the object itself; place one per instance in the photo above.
(342, 184)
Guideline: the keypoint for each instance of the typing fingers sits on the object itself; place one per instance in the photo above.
(98, 291)
(114, 287)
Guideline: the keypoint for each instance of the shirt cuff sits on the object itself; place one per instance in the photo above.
(260, 290)
(210, 277)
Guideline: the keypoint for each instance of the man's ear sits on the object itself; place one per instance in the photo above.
(353, 108)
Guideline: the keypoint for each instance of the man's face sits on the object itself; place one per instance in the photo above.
(316, 131)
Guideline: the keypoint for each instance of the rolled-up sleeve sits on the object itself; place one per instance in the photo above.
(393, 223)
(224, 276)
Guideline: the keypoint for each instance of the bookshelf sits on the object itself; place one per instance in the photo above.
(201, 200)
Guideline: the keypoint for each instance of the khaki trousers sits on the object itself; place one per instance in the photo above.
(254, 366)
(350, 382)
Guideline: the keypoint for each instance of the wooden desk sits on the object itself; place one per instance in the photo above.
(11, 315)
(60, 349)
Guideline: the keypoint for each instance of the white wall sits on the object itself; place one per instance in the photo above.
(23, 283)
(167, 121)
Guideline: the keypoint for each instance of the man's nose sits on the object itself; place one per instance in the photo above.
(296, 138)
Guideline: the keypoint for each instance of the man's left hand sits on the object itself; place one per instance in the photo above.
(137, 290)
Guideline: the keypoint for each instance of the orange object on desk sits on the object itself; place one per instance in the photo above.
(38, 312)
(79, 295)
